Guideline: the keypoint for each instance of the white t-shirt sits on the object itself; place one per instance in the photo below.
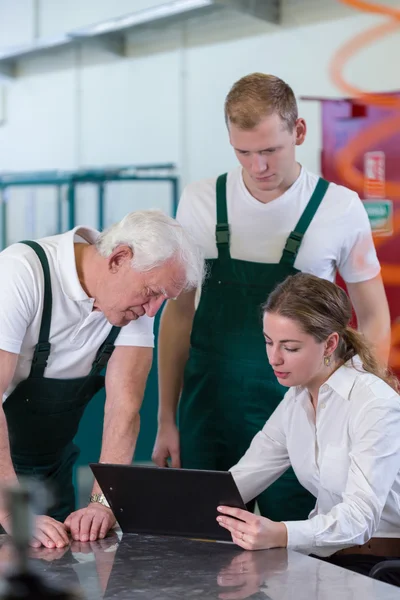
(338, 238)
(77, 331)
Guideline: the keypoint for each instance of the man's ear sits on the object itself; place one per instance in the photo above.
(301, 130)
(119, 257)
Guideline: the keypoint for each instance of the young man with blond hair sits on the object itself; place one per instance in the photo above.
(264, 220)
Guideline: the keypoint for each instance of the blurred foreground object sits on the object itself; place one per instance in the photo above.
(22, 582)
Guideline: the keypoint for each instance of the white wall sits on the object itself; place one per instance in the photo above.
(16, 22)
(163, 102)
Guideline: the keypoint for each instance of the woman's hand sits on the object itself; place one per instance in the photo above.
(252, 532)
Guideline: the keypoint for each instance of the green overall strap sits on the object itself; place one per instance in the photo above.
(222, 227)
(42, 348)
(104, 353)
(295, 238)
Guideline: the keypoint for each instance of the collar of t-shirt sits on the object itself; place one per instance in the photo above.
(66, 261)
(282, 198)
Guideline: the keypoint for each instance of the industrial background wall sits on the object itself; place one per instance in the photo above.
(162, 101)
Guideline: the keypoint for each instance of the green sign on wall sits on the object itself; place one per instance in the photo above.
(380, 214)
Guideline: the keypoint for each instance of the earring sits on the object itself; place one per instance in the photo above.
(327, 361)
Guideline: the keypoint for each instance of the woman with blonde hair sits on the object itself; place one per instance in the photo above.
(338, 426)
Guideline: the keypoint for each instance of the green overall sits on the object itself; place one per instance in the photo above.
(229, 389)
(43, 414)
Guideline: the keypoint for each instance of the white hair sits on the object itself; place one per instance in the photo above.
(155, 238)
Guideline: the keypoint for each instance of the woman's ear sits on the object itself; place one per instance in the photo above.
(332, 343)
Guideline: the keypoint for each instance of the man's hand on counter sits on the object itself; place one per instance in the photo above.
(90, 523)
(49, 533)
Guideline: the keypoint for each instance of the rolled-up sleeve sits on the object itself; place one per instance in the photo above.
(374, 465)
(265, 460)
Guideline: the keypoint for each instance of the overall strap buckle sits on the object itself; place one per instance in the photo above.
(293, 242)
(291, 248)
(103, 357)
(41, 354)
(222, 233)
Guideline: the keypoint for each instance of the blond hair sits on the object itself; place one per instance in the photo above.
(257, 96)
(322, 308)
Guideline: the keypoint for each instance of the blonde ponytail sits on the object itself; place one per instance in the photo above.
(353, 342)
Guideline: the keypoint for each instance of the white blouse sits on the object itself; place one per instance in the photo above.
(347, 455)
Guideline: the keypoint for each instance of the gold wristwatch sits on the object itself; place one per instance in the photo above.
(100, 498)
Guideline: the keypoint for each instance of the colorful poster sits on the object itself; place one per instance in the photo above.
(374, 174)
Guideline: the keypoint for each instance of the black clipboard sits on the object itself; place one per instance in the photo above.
(166, 501)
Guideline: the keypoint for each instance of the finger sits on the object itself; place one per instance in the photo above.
(44, 539)
(57, 535)
(175, 459)
(159, 459)
(239, 513)
(60, 527)
(246, 541)
(84, 527)
(107, 524)
(238, 539)
(235, 526)
(74, 525)
(243, 543)
(35, 543)
(67, 522)
(162, 459)
(98, 527)
(235, 534)
(62, 532)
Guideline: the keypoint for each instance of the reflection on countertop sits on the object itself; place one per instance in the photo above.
(168, 568)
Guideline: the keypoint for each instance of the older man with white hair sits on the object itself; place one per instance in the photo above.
(70, 305)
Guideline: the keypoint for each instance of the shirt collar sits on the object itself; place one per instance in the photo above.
(66, 261)
(342, 380)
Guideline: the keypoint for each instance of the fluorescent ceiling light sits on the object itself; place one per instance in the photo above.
(143, 16)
